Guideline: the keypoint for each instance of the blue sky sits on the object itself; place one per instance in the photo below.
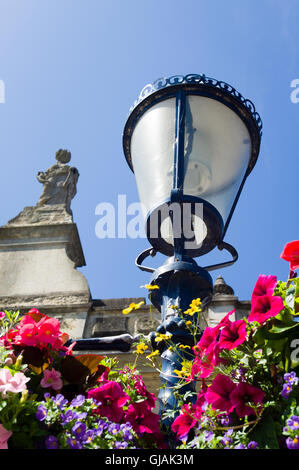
(72, 69)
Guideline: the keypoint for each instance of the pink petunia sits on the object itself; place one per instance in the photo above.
(265, 285)
(233, 335)
(12, 383)
(265, 307)
(218, 394)
(51, 379)
(112, 399)
(4, 436)
(244, 394)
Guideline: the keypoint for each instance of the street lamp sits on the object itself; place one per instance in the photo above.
(191, 142)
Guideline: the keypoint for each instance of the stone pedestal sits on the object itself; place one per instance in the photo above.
(38, 261)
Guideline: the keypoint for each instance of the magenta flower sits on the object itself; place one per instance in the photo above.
(208, 340)
(4, 436)
(225, 320)
(244, 394)
(142, 419)
(51, 379)
(184, 422)
(265, 285)
(219, 393)
(112, 398)
(233, 335)
(265, 307)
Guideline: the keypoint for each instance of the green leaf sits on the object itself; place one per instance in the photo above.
(264, 433)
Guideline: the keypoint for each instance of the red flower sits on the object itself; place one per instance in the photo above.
(142, 419)
(233, 335)
(219, 393)
(291, 253)
(48, 331)
(185, 421)
(265, 285)
(244, 394)
(112, 398)
(265, 307)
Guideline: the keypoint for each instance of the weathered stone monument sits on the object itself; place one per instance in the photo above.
(40, 250)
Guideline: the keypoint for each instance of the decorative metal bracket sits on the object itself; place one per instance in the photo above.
(231, 250)
(221, 246)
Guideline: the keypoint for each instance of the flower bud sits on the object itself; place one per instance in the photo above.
(24, 396)
(19, 360)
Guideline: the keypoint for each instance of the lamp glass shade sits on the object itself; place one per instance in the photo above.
(216, 153)
(152, 150)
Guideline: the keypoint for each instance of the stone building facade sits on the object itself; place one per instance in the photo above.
(40, 251)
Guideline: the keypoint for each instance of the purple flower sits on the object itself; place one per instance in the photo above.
(225, 420)
(286, 390)
(41, 413)
(73, 443)
(293, 422)
(126, 427)
(79, 429)
(227, 440)
(51, 442)
(47, 395)
(291, 378)
(114, 428)
(120, 445)
(60, 401)
(252, 445)
(101, 426)
(88, 436)
(78, 401)
(292, 442)
(240, 446)
(68, 416)
(209, 435)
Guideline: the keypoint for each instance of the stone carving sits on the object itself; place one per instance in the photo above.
(60, 182)
(59, 188)
(221, 288)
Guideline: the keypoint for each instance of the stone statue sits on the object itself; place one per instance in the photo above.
(60, 182)
(59, 188)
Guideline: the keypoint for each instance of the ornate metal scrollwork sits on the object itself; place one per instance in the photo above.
(201, 79)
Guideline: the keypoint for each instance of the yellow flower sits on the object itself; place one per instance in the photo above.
(189, 322)
(141, 348)
(162, 337)
(154, 353)
(181, 373)
(151, 286)
(191, 311)
(194, 307)
(184, 346)
(131, 307)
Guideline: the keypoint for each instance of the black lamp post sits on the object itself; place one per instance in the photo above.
(191, 142)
